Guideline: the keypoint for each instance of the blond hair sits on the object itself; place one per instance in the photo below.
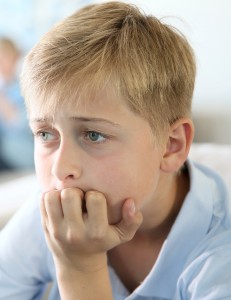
(147, 62)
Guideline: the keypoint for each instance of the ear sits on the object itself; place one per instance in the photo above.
(180, 138)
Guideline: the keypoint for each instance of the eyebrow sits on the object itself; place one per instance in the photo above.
(74, 118)
(40, 120)
(98, 120)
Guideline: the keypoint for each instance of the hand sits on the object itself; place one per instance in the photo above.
(78, 238)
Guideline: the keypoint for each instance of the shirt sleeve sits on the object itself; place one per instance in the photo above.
(208, 276)
(24, 256)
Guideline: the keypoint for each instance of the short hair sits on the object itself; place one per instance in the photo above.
(149, 63)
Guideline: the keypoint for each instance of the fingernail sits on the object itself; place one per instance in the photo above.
(132, 207)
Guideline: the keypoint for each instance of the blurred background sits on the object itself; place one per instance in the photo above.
(205, 23)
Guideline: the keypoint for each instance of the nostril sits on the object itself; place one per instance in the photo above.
(64, 172)
(66, 163)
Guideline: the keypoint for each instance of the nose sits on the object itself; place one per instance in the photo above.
(67, 164)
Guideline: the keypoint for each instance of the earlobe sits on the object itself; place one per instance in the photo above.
(180, 137)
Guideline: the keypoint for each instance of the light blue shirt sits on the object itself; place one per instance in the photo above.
(194, 262)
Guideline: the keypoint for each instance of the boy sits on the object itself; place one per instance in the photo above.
(16, 143)
(125, 214)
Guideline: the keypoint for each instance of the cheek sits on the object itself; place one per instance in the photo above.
(110, 177)
(131, 178)
(43, 170)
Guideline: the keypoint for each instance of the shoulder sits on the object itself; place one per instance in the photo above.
(23, 245)
(25, 262)
(209, 188)
(207, 271)
(207, 211)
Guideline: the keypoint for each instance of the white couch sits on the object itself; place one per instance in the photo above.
(13, 192)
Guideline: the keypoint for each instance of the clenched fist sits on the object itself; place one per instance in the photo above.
(77, 229)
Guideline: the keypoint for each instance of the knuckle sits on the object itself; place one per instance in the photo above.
(95, 198)
(73, 238)
(67, 193)
(92, 195)
(126, 237)
(49, 197)
(56, 234)
(70, 237)
(70, 193)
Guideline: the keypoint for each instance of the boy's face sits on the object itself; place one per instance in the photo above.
(99, 145)
(7, 65)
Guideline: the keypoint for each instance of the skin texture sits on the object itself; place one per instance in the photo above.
(105, 182)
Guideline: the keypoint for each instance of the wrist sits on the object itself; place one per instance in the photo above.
(74, 279)
(80, 266)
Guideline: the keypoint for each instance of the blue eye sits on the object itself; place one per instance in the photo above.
(94, 136)
(45, 136)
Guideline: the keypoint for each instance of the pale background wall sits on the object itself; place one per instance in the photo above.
(206, 23)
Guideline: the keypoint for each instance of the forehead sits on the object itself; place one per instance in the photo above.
(84, 101)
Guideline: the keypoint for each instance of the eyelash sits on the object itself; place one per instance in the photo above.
(39, 134)
(86, 135)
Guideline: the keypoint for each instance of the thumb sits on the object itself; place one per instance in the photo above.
(130, 222)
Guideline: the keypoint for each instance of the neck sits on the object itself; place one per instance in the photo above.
(130, 263)
(160, 217)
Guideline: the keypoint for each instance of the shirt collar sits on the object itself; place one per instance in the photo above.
(190, 227)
